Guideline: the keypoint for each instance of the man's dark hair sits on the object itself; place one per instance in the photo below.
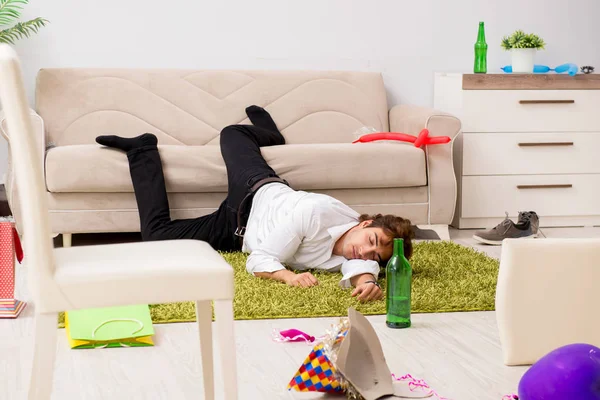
(394, 227)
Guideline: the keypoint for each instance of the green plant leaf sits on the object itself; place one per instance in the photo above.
(522, 40)
(516, 38)
(22, 30)
(535, 41)
(10, 10)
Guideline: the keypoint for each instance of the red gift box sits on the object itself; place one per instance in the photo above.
(10, 246)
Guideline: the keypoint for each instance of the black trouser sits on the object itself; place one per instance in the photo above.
(240, 148)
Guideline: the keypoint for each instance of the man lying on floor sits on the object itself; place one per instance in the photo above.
(263, 216)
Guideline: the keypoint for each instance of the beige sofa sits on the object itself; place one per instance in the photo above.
(90, 190)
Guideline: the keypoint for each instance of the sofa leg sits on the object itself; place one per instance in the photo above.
(66, 237)
(440, 229)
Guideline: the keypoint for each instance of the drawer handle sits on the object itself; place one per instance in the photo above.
(539, 144)
(546, 101)
(563, 186)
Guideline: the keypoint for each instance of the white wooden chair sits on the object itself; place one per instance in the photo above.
(547, 296)
(109, 275)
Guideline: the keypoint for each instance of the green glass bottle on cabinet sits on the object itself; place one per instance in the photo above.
(481, 47)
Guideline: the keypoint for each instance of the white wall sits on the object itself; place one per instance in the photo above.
(405, 40)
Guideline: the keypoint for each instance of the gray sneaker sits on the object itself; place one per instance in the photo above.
(504, 230)
(532, 217)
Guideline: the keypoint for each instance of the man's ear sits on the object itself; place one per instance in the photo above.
(366, 223)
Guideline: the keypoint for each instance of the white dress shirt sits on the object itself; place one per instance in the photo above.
(300, 229)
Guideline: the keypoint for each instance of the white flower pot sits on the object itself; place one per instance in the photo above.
(522, 60)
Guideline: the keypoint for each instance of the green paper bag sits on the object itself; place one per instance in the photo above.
(127, 326)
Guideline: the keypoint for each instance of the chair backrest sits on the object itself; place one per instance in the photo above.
(37, 241)
(547, 295)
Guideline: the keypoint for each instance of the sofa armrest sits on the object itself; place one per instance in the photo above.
(40, 139)
(38, 128)
(441, 179)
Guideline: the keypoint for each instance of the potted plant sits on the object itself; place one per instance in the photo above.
(10, 10)
(522, 47)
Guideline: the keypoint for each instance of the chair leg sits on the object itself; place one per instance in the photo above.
(67, 237)
(204, 322)
(226, 343)
(44, 355)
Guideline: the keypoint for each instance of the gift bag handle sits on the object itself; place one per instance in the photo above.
(117, 320)
(18, 247)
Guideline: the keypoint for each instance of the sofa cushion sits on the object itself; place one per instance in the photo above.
(197, 169)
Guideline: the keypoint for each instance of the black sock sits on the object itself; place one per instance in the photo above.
(261, 118)
(126, 144)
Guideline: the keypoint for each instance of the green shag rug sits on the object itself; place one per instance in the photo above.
(446, 277)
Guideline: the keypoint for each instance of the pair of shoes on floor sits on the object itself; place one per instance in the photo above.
(527, 226)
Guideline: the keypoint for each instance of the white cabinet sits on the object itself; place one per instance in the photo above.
(528, 143)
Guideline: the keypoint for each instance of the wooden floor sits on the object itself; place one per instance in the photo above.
(458, 354)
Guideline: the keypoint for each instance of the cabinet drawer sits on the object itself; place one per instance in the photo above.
(548, 195)
(531, 110)
(531, 153)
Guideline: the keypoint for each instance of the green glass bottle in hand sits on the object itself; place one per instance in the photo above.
(397, 294)
(481, 46)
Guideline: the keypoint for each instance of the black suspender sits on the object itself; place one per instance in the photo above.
(241, 230)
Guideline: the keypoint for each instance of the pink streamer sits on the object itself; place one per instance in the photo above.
(292, 335)
(510, 397)
(415, 384)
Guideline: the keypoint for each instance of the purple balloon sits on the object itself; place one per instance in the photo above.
(570, 372)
